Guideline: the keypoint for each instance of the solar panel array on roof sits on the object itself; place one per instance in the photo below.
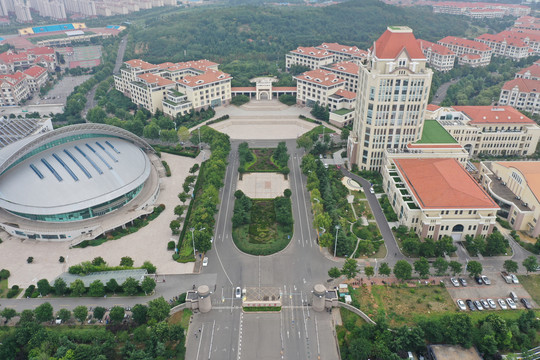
(83, 169)
(107, 152)
(51, 169)
(100, 172)
(99, 156)
(70, 172)
(12, 130)
(112, 146)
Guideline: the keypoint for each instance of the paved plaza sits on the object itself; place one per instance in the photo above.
(149, 243)
(263, 185)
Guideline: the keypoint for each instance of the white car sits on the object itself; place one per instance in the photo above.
(491, 303)
(371, 190)
(511, 304)
(502, 304)
(515, 279)
(454, 282)
(205, 261)
(238, 292)
(486, 280)
(461, 304)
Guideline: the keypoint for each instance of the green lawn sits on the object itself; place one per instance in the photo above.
(342, 111)
(434, 133)
(3, 288)
(531, 283)
(263, 161)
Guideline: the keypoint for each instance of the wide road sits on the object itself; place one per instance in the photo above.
(293, 271)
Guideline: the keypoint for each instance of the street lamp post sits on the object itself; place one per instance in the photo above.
(199, 128)
(193, 238)
(335, 243)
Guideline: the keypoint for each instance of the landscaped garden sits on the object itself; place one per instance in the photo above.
(263, 159)
(370, 241)
(262, 226)
(412, 246)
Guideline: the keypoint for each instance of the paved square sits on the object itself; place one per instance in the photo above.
(263, 185)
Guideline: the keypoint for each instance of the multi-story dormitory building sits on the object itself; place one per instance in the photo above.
(523, 92)
(174, 88)
(469, 52)
(324, 55)
(10, 61)
(438, 57)
(21, 85)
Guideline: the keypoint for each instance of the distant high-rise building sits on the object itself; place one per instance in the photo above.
(393, 91)
(22, 11)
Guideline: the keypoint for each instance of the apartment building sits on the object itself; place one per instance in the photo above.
(14, 89)
(437, 197)
(10, 61)
(487, 130)
(36, 78)
(527, 23)
(22, 12)
(344, 52)
(515, 186)
(532, 72)
(529, 37)
(346, 70)
(174, 88)
(505, 45)
(52, 9)
(523, 94)
(438, 57)
(308, 56)
(393, 91)
(479, 10)
(464, 48)
(341, 105)
(316, 86)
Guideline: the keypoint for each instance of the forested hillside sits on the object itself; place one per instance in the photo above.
(252, 40)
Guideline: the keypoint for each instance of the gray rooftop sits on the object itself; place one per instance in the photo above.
(119, 275)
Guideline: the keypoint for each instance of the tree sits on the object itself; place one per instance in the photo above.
(44, 312)
(4, 274)
(98, 261)
(175, 226)
(403, 270)
(130, 286)
(112, 285)
(148, 285)
(44, 287)
(287, 193)
(126, 261)
(474, 268)
(80, 313)
(183, 134)
(440, 266)
(183, 197)
(60, 286)
(511, 266)
(530, 264)
(64, 315)
(151, 268)
(99, 311)
(421, 266)
(139, 312)
(455, 267)
(96, 115)
(117, 314)
(30, 259)
(345, 134)
(384, 269)
(8, 313)
(304, 142)
(370, 271)
(158, 309)
(350, 268)
(77, 287)
(334, 272)
(496, 244)
(96, 288)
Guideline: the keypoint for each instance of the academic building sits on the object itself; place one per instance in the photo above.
(393, 91)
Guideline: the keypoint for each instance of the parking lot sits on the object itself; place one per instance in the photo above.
(59, 93)
(498, 289)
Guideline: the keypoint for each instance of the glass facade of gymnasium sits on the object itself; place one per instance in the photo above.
(87, 213)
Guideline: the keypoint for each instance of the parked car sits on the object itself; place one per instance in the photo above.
(205, 261)
(526, 303)
(371, 191)
(470, 305)
(484, 303)
(461, 304)
(454, 282)
(506, 277)
(492, 303)
(514, 296)
(511, 304)
(478, 280)
(502, 304)
(238, 292)
(463, 281)
(515, 279)
(478, 305)
(486, 280)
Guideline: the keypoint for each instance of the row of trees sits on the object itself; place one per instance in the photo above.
(491, 245)
(412, 246)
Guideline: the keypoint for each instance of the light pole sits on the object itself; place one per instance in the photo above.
(199, 129)
(193, 238)
(335, 243)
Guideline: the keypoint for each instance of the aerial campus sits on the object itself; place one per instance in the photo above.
(376, 197)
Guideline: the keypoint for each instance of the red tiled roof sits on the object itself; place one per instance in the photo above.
(284, 88)
(155, 79)
(500, 38)
(523, 35)
(244, 88)
(432, 107)
(13, 79)
(493, 115)
(346, 94)
(202, 64)
(471, 56)
(43, 50)
(208, 77)
(35, 71)
(436, 48)
(524, 85)
(345, 66)
(137, 63)
(312, 51)
(534, 70)
(393, 41)
(320, 76)
(443, 184)
(345, 49)
(471, 44)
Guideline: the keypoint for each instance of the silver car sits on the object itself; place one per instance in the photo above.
(486, 280)
(492, 303)
(511, 304)
(454, 282)
(461, 304)
(485, 304)
(479, 305)
(502, 304)
(515, 279)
